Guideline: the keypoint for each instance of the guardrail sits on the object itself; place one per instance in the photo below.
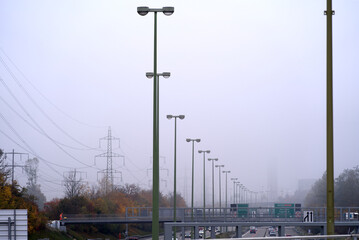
(256, 214)
(343, 215)
(346, 236)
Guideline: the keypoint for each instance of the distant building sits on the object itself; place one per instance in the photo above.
(304, 185)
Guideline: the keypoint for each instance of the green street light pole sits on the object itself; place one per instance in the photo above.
(219, 187)
(226, 172)
(213, 159)
(192, 140)
(143, 11)
(330, 152)
(234, 189)
(204, 180)
(175, 170)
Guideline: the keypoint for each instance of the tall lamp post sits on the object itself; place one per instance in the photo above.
(175, 170)
(192, 140)
(219, 186)
(234, 189)
(226, 206)
(213, 159)
(155, 185)
(226, 172)
(239, 191)
(204, 179)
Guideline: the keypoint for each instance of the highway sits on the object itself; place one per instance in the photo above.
(261, 231)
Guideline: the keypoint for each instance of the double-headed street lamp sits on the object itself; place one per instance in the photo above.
(213, 159)
(155, 186)
(204, 179)
(192, 140)
(175, 170)
(219, 184)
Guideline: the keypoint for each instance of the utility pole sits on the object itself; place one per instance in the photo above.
(109, 171)
(13, 165)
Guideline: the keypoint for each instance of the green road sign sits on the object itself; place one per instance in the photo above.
(242, 210)
(284, 210)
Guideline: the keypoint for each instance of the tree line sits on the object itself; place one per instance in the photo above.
(79, 199)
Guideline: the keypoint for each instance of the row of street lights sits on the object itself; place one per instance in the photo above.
(241, 193)
(330, 156)
(155, 196)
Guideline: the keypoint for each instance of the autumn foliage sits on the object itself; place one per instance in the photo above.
(94, 202)
(13, 197)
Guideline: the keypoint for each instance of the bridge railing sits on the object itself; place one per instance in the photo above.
(249, 214)
(270, 214)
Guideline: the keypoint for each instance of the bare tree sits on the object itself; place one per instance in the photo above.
(73, 184)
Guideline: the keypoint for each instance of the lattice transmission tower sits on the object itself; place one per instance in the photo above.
(109, 173)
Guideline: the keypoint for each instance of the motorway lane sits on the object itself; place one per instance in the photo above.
(261, 231)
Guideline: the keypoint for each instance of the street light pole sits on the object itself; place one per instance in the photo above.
(219, 190)
(192, 140)
(226, 172)
(175, 171)
(204, 180)
(239, 191)
(155, 178)
(234, 189)
(213, 159)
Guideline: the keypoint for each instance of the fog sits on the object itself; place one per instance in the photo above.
(249, 76)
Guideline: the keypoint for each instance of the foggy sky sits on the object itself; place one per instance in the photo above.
(249, 75)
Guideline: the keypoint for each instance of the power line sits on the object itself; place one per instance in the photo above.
(40, 93)
(36, 129)
(67, 153)
(37, 106)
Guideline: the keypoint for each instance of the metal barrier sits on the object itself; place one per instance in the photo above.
(254, 214)
(345, 236)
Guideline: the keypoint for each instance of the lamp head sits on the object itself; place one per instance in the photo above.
(208, 151)
(166, 74)
(168, 11)
(149, 75)
(181, 117)
(198, 140)
(188, 139)
(169, 116)
(143, 10)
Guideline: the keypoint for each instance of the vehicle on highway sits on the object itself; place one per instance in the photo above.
(187, 235)
(201, 233)
(272, 234)
(252, 229)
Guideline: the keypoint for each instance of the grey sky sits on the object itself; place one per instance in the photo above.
(249, 75)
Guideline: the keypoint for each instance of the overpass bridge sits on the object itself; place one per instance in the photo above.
(343, 215)
(237, 218)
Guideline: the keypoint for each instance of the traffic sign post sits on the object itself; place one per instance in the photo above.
(308, 216)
